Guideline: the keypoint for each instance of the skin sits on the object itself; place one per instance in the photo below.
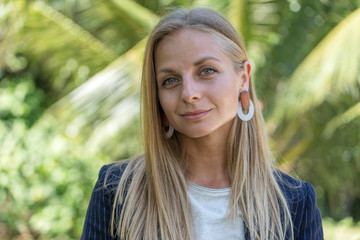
(198, 90)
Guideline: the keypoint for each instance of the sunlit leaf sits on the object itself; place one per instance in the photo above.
(239, 17)
(134, 12)
(256, 22)
(106, 102)
(330, 69)
(54, 44)
(342, 119)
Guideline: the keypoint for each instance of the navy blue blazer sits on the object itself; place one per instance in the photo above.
(302, 203)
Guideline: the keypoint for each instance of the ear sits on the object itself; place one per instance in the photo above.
(245, 77)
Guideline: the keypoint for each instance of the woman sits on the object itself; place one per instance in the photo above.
(207, 171)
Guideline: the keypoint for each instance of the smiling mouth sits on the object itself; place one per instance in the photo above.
(195, 115)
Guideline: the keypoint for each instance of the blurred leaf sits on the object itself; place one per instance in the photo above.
(342, 119)
(216, 5)
(63, 51)
(256, 22)
(330, 69)
(52, 39)
(344, 229)
(138, 15)
(105, 103)
(118, 24)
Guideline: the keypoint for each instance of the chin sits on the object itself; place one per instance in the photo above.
(198, 133)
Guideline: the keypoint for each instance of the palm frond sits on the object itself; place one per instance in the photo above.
(239, 17)
(257, 22)
(60, 48)
(43, 17)
(295, 151)
(118, 24)
(342, 119)
(330, 69)
(135, 13)
(107, 102)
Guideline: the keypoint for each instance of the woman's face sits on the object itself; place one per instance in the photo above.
(197, 84)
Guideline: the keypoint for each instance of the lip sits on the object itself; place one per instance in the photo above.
(195, 115)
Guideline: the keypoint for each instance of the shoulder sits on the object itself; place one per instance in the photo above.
(110, 175)
(302, 204)
(120, 173)
(108, 180)
(113, 170)
(98, 215)
(113, 178)
(293, 189)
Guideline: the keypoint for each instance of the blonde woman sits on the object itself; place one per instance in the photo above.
(207, 171)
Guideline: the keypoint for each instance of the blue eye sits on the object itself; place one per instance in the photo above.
(208, 71)
(169, 81)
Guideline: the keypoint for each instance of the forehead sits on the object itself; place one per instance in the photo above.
(188, 36)
(189, 44)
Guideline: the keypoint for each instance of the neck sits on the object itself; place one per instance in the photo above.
(206, 163)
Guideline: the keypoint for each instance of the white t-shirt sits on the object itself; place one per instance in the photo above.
(209, 208)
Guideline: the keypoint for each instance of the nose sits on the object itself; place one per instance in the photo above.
(190, 90)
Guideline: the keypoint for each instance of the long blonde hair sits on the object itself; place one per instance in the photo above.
(151, 199)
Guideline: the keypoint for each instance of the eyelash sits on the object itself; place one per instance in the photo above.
(165, 82)
(212, 70)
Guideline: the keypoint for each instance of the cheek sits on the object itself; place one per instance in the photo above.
(232, 104)
(167, 104)
(228, 99)
(227, 94)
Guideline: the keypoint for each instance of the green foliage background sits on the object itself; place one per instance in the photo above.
(69, 100)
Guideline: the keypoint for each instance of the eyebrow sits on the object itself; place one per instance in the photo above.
(165, 70)
(200, 61)
(204, 59)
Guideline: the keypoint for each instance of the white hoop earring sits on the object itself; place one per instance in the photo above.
(250, 114)
(169, 132)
